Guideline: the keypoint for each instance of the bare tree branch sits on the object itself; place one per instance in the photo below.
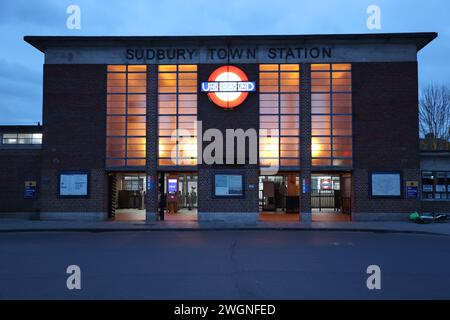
(434, 116)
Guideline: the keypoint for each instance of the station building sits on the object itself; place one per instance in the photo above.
(139, 128)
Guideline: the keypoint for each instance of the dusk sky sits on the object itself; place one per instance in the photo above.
(21, 64)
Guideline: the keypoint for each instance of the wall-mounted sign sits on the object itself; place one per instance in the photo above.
(412, 189)
(228, 87)
(30, 190)
(248, 54)
(73, 184)
(306, 185)
(325, 184)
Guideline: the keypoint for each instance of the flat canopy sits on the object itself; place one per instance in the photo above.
(420, 39)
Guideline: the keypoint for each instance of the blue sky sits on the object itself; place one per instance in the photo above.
(21, 64)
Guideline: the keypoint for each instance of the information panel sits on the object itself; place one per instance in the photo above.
(386, 184)
(228, 185)
(73, 185)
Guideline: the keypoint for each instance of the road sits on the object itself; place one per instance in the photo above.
(224, 265)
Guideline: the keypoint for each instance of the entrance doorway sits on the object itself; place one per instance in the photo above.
(279, 197)
(331, 196)
(178, 197)
(127, 196)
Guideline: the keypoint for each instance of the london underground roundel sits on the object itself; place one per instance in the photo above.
(228, 87)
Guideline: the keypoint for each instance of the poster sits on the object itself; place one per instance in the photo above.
(228, 185)
(73, 184)
(386, 185)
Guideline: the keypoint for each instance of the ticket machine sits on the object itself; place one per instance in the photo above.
(172, 194)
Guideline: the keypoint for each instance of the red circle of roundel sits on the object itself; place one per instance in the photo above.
(216, 98)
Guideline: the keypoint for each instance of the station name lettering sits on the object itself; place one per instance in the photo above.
(220, 54)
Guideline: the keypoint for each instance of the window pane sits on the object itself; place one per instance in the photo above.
(137, 68)
(320, 67)
(187, 68)
(268, 67)
(166, 68)
(116, 68)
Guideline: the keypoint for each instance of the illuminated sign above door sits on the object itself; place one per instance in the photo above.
(228, 87)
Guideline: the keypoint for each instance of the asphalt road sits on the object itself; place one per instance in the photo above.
(224, 265)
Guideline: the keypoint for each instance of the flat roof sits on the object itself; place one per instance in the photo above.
(420, 39)
(14, 128)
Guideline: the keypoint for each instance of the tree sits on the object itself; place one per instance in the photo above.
(434, 117)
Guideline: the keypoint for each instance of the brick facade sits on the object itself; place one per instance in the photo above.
(385, 123)
(385, 133)
(74, 116)
(245, 116)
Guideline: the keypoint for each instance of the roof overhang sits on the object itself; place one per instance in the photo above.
(42, 43)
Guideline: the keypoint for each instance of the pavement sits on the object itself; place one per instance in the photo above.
(16, 225)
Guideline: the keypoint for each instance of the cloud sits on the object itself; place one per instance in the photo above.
(20, 94)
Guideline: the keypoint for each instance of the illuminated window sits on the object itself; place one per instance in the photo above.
(126, 116)
(331, 115)
(279, 103)
(22, 138)
(177, 115)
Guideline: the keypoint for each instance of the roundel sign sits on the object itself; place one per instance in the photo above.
(228, 87)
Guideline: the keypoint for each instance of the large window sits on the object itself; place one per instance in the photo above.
(279, 109)
(177, 115)
(436, 185)
(331, 108)
(126, 116)
(22, 138)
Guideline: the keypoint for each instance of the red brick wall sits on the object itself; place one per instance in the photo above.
(74, 119)
(385, 130)
(18, 166)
